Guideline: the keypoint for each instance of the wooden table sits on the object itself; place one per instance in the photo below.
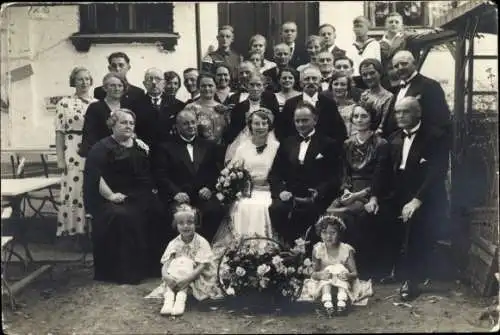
(14, 190)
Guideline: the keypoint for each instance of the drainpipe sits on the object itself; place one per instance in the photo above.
(198, 33)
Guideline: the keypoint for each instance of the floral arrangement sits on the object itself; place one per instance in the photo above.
(233, 183)
(258, 264)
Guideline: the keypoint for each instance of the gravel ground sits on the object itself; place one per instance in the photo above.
(72, 303)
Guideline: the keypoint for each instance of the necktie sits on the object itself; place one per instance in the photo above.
(156, 102)
(260, 148)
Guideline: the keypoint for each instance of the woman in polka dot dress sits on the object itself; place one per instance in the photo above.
(69, 125)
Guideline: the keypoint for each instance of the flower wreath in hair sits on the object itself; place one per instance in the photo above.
(268, 112)
(335, 219)
(187, 209)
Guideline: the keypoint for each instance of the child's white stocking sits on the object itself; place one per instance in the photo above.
(341, 297)
(168, 301)
(180, 303)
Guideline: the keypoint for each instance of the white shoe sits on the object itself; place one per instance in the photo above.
(180, 303)
(168, 303)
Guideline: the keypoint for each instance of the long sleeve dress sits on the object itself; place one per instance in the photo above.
(121, 233)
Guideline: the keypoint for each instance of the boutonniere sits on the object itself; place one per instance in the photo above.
(142, 145)
(319, 156)
(423, 160)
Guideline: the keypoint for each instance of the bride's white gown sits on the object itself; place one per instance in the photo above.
(250, 216)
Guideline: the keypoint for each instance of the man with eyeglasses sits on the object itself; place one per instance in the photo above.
(152, 110)
(328, 34)
(119, 62)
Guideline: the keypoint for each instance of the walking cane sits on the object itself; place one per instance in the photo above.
(406, 238)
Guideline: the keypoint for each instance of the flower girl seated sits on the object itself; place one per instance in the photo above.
(334, 268)
(187, 265)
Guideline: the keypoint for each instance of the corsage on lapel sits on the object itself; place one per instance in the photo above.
(142, 145)
(319, 156)
(422, 160)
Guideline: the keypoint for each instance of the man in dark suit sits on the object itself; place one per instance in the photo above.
(120, 63)
(288, 36)
(282, 59)
(435, 110)
(186, 170)
(308, 166)
(155, 111)
(327, 32)
(245, 70)
(330, 123)
(418, 201)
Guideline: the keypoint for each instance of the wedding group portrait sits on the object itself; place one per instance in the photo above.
(249, 167)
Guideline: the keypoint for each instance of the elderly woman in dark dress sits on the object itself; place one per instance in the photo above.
(94, 126)
(365, 156)
(127, 233)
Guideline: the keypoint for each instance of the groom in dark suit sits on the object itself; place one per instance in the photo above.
(419, 161)
(307, 165)
(186, 170)
(329, 121)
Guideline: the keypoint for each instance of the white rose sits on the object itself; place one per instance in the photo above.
(263, 269)
(240, 175)
(240, 271)
(307, 262)
(238, 195)
(290, 270)
(232, 175)
(230, 291)
(224, 172)
(263, 282)
(227, 183)
(277, 260)
(220, 196)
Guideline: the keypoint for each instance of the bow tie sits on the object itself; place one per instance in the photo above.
(187, 142)
(409, 135)
(325, 80)
(305, 139)
(260, 148)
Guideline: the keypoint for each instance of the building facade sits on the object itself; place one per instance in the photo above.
(41, 44)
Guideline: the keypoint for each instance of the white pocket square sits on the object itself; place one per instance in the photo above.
(319, 156)
(423, 160)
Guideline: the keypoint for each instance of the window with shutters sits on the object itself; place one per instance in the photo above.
(126, 23)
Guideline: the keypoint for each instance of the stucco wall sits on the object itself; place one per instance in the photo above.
(43, 43)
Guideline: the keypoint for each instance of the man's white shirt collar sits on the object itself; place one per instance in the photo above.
(312, 100)
(403, 82)
(414, 129)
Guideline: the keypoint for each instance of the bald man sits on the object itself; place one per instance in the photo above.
(330, 123)
(186, 170)
(435, 110)
(155, 113)
(282, 57)
(415, 208)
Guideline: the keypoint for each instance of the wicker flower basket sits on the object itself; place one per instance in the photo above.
(254, 294)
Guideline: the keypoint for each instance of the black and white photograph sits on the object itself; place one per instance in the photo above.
(249, 167)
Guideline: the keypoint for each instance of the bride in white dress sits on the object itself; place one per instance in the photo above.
(250, 216)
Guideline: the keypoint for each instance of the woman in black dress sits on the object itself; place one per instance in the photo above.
(365, 165)
(127, 233)
(94, 126)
